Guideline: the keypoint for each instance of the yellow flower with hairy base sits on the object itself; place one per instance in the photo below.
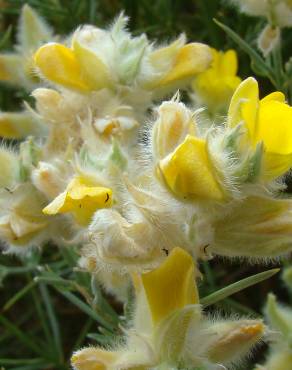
(82, 199)
(98, 59)
(269, 121)
(183, 161)
(169, 330)
(215, 86)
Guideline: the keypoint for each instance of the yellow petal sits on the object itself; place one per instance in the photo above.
(80, 199)
(188, 173)
(171, 286)
(94, 70)
(275, 165)
(228, 63)
(19, 125)
(244, 105)
(192, 59)
(275, 127)
(277, 96)
(161, 56)
(215, 86)
(93, 359)
(58, 64)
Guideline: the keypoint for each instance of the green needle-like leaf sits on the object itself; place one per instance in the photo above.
(221, 294)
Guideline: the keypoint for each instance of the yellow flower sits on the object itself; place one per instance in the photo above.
(22, 223)
(82, 199)
(215, 86)
(187, 171)
(100, 59)
(167, 325)
(184, 163)
(269, 121)
(189, 60)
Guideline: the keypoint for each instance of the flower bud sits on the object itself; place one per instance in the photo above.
(268, 39)
(118, 242)
(232, 339)
(9, 165)
(174, 123)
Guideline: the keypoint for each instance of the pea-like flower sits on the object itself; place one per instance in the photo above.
(214, 87)
(99, 59)
(267, 121)
(81, 198)
(182, 157)
(169, 329)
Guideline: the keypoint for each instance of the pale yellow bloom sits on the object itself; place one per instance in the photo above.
(215, 86)
(21, 220)
(168, 327)
(256, 227)
(269, 121)
(82, 199)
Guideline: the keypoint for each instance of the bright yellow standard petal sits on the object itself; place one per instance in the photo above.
(275, 127)
(192, 59)
(244, 105)
(80, 199)
(187, 171)
(274, 96)
(276, 165)
(171, 286)
(58, 64)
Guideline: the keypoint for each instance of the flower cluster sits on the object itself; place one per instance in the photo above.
(144, 184)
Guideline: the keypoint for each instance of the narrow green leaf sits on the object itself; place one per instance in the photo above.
(21, 293)
(53, 320)
(221, 294)
(22, 361)
(22, 337)
(85, 308)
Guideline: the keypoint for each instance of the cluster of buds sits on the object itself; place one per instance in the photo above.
(146, 199)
